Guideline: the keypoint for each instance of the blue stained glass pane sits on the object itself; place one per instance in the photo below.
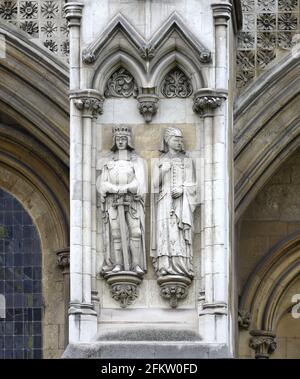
(20, 282)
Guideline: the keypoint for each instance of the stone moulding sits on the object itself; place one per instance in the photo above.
(146, 49)
(123, 286)
(174, 288)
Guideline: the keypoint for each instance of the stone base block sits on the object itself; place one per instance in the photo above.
(146, 350)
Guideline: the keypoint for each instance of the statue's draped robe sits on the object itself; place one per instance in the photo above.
(137, 207)
(172, 219)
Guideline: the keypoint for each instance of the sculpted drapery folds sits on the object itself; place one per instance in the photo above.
(172, 207)
(122, 188)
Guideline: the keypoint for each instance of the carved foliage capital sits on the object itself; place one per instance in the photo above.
(90, 102)
(148, 106)
(206, 102)
(263, 343)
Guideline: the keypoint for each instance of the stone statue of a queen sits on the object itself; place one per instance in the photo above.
(172, 207)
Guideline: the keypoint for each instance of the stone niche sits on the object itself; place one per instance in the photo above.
(150, 316)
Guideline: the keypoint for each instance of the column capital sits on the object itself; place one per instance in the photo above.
(73, 13)
(207, 100)
(63, 259)
(89, 101)
(263, 343)
(221, 12)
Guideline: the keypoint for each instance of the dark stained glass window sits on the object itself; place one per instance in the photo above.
(20, 282)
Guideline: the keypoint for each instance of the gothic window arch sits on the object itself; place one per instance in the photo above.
(20, 282)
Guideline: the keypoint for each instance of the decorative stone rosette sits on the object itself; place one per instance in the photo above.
(174, 288)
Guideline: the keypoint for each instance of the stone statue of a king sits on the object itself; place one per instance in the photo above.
(172, 207)
(122, 188)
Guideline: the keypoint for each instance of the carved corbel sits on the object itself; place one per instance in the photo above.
(244, 319)
(90, 102)
(174, 288)
(63, 260)
(263, 343)
(206, 101)
(148, 106)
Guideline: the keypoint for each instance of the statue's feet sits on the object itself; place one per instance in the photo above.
(116, 269)
(106, 268)
(163, 272)
(138, 270)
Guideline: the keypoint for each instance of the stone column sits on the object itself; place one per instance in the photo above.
(221, 14)
(73, 15)
(63, 262)
(263, 343)
(95, 299)
(206, 102)
(84, 318)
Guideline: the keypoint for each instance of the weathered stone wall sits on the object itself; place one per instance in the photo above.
(273, 216)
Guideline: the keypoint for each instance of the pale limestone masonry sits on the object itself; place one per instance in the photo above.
(179, 55)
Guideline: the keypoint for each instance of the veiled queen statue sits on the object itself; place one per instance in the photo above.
(173, 203)
(122, 189)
